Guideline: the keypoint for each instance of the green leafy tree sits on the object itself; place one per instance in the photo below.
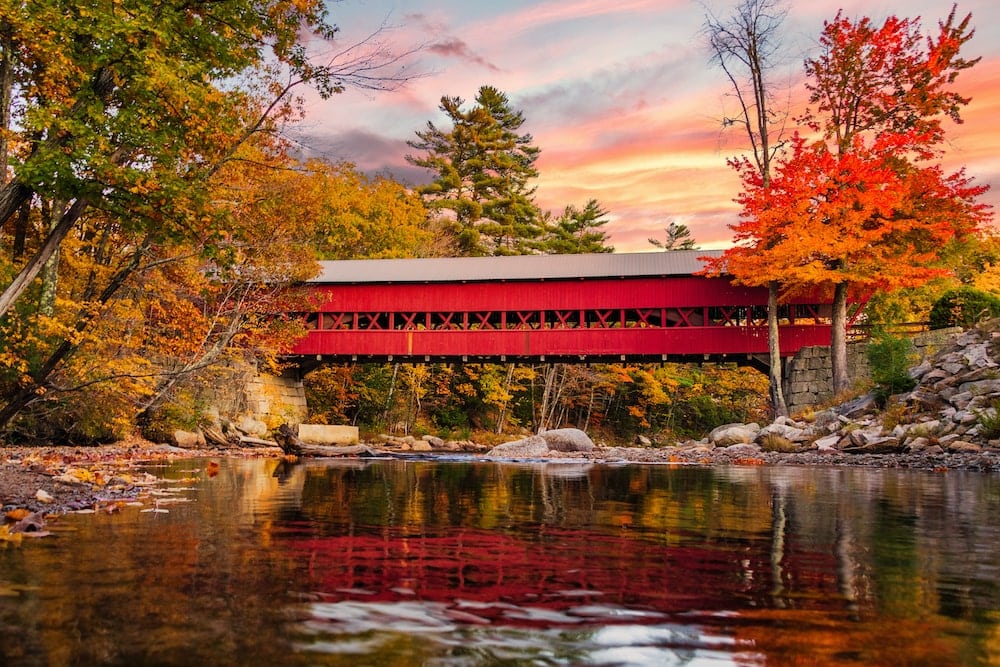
(482, 166)
(576, 231)
(677, 236)
(890, 356)
(121, 120)
(963, 307)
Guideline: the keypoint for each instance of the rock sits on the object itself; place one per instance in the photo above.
(963, 446)
(531, 447)
(188, 439)
(643, 441)
(252, 427)
(435, 442)
(421, 446)
(980, 387)
(924, 399)
(825, 418)
(786, 430)
(965, 417)
(978, 356)
(883, 445)
(860, 405)
(827, 443)
(567, 440)
(732, 434)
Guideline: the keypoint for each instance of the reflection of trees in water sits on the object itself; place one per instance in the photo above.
(910, 556)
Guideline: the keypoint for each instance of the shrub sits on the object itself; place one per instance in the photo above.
(889, 357)
(963, 307)
(989, 420)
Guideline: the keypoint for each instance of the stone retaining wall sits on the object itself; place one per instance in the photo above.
(276, 400)
(809, 374)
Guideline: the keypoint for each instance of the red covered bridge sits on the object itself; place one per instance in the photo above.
(577, 308)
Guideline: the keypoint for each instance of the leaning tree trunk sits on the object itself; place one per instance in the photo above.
(774, 353)
(838, 339)
(34, 266)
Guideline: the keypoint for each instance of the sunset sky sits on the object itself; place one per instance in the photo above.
(620, 96)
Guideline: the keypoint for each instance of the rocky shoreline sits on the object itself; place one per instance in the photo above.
(949, 421)
(56, 480)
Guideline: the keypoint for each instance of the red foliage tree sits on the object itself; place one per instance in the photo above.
(865, 206)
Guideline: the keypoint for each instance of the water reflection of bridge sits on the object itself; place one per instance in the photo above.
(576, 308)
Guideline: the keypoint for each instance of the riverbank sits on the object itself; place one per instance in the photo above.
(55, 480)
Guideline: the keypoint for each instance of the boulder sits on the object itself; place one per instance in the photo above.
(567, 440)
(532, 447)
(786, 430)
(828, 443)
(189, 439)
(860, 405)
(252, 427)
(732, 434)
(434, 441)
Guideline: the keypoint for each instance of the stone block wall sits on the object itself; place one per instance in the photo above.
(276, 400)
(809, 374)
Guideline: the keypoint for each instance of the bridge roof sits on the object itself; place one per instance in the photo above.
(518, 267)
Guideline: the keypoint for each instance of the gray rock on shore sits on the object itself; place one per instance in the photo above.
(538, 446)
(567, 440)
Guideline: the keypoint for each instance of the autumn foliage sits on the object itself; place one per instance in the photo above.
(859, 201)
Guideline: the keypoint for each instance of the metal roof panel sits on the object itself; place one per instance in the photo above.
(516, 267)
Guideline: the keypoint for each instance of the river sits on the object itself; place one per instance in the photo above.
(465, 562)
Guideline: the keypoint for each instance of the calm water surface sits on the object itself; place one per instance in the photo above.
(480, 563)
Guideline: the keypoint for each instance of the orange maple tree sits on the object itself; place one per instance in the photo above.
(864, 205)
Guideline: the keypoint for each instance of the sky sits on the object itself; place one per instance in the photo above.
(620, 96)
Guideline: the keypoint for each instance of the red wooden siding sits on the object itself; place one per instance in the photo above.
(649, 318)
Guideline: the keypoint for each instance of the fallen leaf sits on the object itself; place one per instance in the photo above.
(7, 536)
(17, 514)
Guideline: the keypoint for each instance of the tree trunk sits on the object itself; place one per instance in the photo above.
(386, 414)
(21, 231)
(28, 393)
(838, 339)
(6, 85)
(502, 417)
(774, 352)
(31, 270)
(50, 270)
(12, 196)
